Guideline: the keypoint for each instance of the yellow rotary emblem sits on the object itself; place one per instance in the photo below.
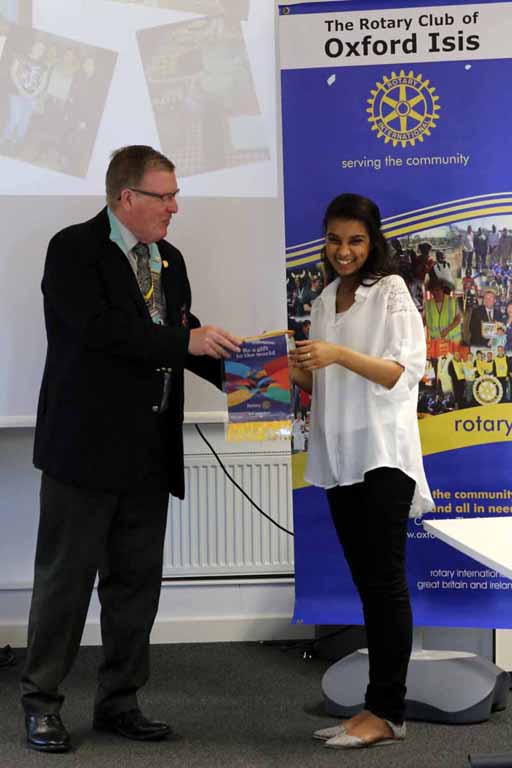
(403, 108)
(487, 390)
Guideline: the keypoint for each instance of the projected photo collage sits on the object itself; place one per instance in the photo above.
(238, 9)
(203, 95)
(53, 89)
(52, 96)
(13, 12)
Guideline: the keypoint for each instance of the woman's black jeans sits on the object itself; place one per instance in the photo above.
(371, 523)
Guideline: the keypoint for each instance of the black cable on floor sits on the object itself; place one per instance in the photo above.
(270, 519)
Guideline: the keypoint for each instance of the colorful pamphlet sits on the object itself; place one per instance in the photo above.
(257, 384)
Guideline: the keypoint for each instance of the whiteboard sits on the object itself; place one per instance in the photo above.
(106, 74)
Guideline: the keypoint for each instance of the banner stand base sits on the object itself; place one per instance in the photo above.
(442, 686)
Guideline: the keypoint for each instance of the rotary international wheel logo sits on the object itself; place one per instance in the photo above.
(487, 390)
(403, 108)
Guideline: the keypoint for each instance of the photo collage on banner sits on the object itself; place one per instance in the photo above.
(405, 106)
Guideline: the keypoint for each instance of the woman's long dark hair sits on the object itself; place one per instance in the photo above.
(380, 261)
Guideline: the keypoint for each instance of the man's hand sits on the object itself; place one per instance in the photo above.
(213, 341)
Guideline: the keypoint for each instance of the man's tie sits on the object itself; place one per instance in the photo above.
(144, 280)
(156, 307)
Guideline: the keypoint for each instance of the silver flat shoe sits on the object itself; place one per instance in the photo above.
(324, 734)
(345, 741)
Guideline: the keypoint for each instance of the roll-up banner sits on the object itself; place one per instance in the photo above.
(410, 106)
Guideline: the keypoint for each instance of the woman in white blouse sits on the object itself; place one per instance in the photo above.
(363, 363)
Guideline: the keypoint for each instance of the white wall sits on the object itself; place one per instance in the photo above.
(189, 612)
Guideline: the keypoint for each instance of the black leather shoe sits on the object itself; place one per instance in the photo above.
(46, 733)
(132, 725)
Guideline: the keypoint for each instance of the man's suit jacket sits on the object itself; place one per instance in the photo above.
(96, 422)
(479, 316)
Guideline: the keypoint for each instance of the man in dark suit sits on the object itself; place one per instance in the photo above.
(485, 313)
(109, 442)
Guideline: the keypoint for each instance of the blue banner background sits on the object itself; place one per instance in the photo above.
(324, 124)
(324, 590)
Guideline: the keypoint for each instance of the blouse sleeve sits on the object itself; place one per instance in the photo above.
(404, 338)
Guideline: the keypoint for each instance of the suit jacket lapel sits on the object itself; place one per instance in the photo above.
(116, 264)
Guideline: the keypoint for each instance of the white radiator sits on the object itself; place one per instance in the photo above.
(215, 531)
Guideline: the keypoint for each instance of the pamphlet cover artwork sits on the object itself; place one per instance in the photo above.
(256, 382)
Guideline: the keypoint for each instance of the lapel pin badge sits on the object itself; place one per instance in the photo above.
(165, 263)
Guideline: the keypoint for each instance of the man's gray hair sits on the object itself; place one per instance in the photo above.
(127, 167)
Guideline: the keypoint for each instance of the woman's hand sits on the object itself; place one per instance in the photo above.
(300, 377)
(313, 355)
(293, 372)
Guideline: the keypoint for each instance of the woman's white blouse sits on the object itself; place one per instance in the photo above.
(357, 425)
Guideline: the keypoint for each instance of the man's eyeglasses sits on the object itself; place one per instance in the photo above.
(168, 197)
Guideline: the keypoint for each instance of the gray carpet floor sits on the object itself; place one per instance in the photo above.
(232, 705)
